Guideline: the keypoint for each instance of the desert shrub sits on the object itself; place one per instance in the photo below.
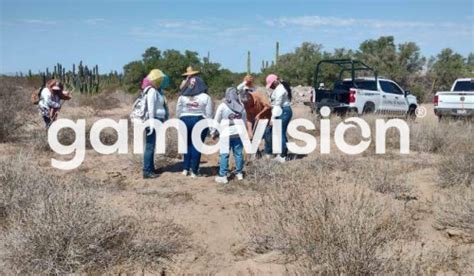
(14, 100)
(382, 177)
(432, 137)
(456, 168)
(455, 209)
(56, 225)
(331, 225)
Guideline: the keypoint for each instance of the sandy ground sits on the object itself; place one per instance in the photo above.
(210, 211)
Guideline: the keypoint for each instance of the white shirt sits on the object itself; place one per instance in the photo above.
(155, 103)
(223, 112)
(199, 105)
(279, 99)
(47, 101)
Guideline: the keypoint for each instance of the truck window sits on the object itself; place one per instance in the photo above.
(390, 87)
(464, 86)
(362, 84)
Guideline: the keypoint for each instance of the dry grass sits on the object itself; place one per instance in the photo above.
(56, 225)
(455, 210)
(14, 102)
(320, 218)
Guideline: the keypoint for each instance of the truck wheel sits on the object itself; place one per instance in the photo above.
(411, 114)
(368, 108)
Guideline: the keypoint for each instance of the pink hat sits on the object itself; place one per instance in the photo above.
(271, 79)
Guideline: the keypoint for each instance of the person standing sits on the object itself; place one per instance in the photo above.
(49, 102)
(231, 109)
(281, 110)
(193, 105)
(156, 107)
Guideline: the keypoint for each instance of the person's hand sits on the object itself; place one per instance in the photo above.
(257, 118)
(214, 136)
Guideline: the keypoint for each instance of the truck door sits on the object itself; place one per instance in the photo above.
(393, 98)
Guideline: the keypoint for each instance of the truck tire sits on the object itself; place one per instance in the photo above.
(369, 108)
(411, 114)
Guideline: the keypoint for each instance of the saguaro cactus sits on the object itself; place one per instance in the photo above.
(249, 63)
(277, 53)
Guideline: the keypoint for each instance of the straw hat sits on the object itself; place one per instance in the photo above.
(190, 71)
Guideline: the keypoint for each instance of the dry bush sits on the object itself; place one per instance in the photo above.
(383, 177)
(456, 168)
(331, 225)
(14, 100)
(56, 225)
(98, 102)
(455, 209)
(430, 136)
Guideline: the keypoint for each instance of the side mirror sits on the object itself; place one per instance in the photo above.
(407, 92)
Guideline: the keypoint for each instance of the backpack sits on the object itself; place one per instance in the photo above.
(36, 95)
(139, 108)
(287, 88)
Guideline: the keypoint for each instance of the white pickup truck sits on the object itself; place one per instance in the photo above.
(362, 95)
(459, 102)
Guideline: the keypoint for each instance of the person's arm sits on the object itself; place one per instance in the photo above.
(276, 104)
(241, 86)
(49, 101)
(209, 107)
(150, 101)
(179, 107)
(217, 118)
(265, 109)
(247, 125)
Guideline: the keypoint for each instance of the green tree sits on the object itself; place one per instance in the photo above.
(134, 72)
(447, 67)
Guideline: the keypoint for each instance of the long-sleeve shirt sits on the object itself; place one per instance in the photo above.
(156, 104)
(243, 86)
(48, 101)
(199, 105)
(279, 100)
(223, 112)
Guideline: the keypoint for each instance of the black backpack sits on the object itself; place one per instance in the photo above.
(287, 88)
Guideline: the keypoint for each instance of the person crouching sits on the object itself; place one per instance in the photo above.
(50, 101)
(231, 109)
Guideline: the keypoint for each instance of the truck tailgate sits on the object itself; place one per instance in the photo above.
(456, 100)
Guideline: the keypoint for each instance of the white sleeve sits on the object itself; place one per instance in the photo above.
(49, 100)
(209, 107)
(150, 100)
(241, 86)
(179, 107)
(217, 118)
(277, 102)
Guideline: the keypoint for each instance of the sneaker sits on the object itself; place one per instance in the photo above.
(221, 179)
(150, 175)
(193, 175)
(185, 172)
(240, 176)
(268, 156)
(280, 159)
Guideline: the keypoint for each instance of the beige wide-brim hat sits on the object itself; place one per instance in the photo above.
(190, 71)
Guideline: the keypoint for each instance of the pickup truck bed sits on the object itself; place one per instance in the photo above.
(459, 102)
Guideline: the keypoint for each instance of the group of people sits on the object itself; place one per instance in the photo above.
(195, 104)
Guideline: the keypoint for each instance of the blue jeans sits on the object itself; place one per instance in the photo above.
(193, 157)
(149, 155)
(47, 121)
(237, 147)
(285, 118)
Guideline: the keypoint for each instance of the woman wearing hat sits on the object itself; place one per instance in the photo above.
(153, 86)
(281, 109)
(190, 72)
(50, 101)
(193, 105)
(231, 109)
